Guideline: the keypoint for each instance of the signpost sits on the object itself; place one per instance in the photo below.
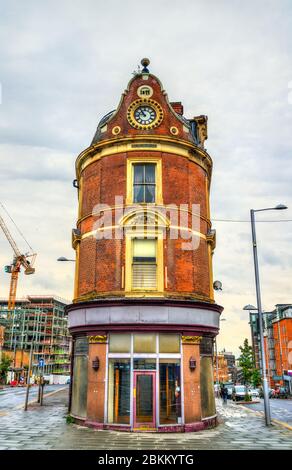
(41, 381)
(28, 378)
(41, 362)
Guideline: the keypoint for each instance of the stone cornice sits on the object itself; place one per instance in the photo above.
(126, 144)
(190, 303)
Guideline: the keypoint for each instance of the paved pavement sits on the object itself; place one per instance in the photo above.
(45, 428)
(281, 409)
(14, 396)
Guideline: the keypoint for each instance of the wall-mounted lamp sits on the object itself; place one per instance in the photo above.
(192, 363)
(95, 363)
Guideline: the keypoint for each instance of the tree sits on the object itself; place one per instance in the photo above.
(256, 378)
(4, 366)
(246, 363)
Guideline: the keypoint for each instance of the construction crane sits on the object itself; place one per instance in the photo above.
(26, 260)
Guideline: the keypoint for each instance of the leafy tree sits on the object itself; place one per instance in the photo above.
(246, 362)
(4, 366)
(256, 378)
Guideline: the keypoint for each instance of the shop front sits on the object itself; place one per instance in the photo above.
(144, 380)
(140, 382)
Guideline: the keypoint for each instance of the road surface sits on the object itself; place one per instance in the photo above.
(281, 409)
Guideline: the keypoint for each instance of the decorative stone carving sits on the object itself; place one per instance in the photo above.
(191, 339)
(76, 237)
(202, 128)
(143, 219)
(211, 238)
(97, 339)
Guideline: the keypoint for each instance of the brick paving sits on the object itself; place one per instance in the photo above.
(45, 428)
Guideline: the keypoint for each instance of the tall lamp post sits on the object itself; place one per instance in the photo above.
(63, 258)
(259, 305)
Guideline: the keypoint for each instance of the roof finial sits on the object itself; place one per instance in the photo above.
(145, 62)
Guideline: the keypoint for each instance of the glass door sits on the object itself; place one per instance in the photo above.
(144, 400)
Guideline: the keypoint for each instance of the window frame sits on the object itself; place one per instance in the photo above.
(158, 290)
(144, 184)
(131, 161)
(144, 263)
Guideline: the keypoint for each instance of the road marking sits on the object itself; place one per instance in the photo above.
(276, 421)
(282, 423)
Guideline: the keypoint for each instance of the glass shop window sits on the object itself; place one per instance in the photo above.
(170, 391)
(144, 264)
(169, 343)
(145, 343)
(144, 182)
(144, 364)
(119, 391)
(119, 343)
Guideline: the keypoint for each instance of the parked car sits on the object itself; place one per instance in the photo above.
(254, 392)
(239, 392)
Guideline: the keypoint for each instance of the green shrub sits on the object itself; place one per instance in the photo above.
(69, 419)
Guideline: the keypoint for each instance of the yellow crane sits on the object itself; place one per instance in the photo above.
(25, 260)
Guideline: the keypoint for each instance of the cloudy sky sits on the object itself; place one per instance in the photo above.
(64, 64)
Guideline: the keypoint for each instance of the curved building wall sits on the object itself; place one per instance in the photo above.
(143, 319)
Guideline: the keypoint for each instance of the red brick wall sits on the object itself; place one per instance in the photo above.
(101, 261)
(282, 331)
(170, 118)
(183, 182)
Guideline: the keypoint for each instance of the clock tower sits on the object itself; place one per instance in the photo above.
(143, 318)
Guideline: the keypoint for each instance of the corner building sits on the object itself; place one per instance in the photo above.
(143, 319)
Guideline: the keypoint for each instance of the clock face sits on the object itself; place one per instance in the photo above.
(145, 115)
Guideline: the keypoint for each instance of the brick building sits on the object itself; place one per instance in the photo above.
(143, 318)
(278, 345)
(224, 364)
(221, 372)
(226, 367)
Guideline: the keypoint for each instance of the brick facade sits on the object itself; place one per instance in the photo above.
(183, 304)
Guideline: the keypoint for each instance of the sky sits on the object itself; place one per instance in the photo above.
(64, 64)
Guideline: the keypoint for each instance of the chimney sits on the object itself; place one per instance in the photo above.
(177, 107)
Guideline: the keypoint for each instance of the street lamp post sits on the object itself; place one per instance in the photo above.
(259, 305)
